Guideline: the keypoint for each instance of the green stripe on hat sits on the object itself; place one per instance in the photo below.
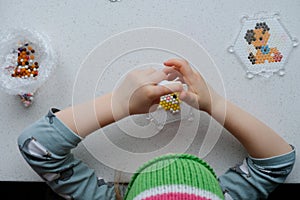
(174, 169)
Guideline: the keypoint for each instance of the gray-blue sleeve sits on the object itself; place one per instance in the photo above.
(257, 178)
(46, 146)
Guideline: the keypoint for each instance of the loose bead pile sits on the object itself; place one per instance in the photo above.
(25, 66)
(26, 99)
(170, 102)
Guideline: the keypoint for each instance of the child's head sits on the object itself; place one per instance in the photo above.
(175, 176)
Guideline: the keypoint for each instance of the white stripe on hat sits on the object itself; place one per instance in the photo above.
(178, 189)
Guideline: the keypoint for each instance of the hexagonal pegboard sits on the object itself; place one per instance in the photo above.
(263, 45)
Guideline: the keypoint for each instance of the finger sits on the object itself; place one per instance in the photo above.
(190, 98)
(161, 90)
(168, 70)
(172, 74)
(180, 65)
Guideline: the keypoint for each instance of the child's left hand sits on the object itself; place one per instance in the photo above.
(140, 93)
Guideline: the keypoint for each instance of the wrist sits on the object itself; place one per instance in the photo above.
(217, 102)
(119, 109)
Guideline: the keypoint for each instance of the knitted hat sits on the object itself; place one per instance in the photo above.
(174, 177)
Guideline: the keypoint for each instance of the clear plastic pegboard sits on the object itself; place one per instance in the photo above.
(263, 45)
(161, 117)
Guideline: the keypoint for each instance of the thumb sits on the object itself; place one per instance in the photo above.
(190, 98)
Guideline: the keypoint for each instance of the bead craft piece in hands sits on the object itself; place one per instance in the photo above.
(170, 102)
(171, 108)
(263, 45)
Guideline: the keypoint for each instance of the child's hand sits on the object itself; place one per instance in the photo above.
(140, 93)
(199, 94)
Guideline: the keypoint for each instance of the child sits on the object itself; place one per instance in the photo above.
(47, 143)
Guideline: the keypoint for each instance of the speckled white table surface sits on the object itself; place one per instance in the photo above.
(77, 27)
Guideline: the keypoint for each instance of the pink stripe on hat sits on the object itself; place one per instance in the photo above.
(175, 196)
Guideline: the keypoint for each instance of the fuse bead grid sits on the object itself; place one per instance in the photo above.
(170, 102)
(263, 45)
(259, 37)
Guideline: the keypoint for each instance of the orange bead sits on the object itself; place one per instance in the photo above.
(29, 48)
(31, 57)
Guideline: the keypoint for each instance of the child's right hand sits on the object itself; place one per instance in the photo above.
(200, 94)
